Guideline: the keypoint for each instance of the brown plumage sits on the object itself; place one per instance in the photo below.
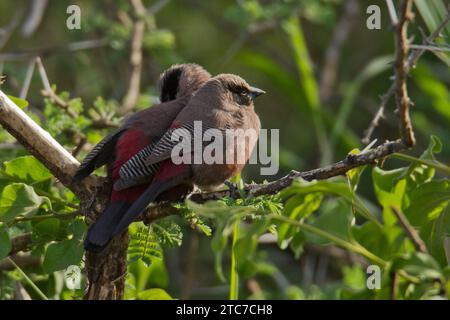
(178, 84)
(224, 102)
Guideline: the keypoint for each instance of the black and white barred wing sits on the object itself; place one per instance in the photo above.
(99, 155)
(141, 167)
(135, 172)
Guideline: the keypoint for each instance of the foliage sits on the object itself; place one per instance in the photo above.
(223, 244)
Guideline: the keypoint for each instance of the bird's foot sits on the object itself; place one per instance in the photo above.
(234, 189)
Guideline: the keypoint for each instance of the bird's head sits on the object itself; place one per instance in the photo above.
(234, 90)
(182, 79)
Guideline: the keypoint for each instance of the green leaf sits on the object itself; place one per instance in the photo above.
(296, 208)
(21, 103)
(389, 190)
(435, 89)
(5, 242)
(434, 233)
(427, 202)
(143, 244)
(245, 247)
(420, 265)
(354, 277)
(62, 254)
(334, 187)
(19, 199)
(168, 232)
(154, 294)
(418, 172)
(48, 228)
(335, 218)
(354, 174)
(77, 228)
(27, 169)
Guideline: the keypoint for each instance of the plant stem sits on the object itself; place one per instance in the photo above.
(234, 278)
(67, 215)
(28, 280)
(431, 163)
(354, 247)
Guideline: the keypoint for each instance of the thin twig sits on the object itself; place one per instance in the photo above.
(34, 17)
(43, 52)
(393, 275)
(48, 91)
(134, 83)
(157, 6)
(409, 230)
(412, 61)
(401, 73)
(435, 48)
(333, 53)
(27, 81)
(392, 12)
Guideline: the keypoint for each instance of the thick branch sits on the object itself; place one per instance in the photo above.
(39, 143)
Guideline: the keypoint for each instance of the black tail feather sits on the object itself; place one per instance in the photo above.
(152, 192)
(100, 233)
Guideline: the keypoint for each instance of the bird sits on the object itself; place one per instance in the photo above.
(225, 102)
(177, 85)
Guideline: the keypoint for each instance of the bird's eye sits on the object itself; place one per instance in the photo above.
(243, 92)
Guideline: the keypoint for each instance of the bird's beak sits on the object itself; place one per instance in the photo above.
(255, 92)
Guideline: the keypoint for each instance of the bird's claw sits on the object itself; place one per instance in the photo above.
(234, 189)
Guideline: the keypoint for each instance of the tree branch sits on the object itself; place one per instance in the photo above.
(410, 231)
(137, 38)
(412, 61)
(333, 53)
(401, 73)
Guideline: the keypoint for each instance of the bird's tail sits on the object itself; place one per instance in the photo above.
(149, 195)
(100, 233)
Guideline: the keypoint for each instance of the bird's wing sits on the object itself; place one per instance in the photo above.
(98, 156)
(146, 162)
(134, 171)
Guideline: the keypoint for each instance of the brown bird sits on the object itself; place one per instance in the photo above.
(143, 128)
(225, 102)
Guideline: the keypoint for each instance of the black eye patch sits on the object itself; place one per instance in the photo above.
(240, 90)
(169, 84)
